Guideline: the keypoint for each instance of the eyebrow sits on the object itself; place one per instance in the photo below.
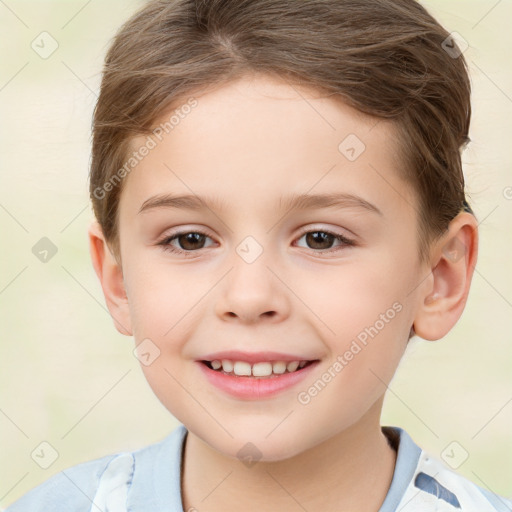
(295, 202)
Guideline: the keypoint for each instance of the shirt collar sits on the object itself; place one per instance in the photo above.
(407, 458)
(156, 483)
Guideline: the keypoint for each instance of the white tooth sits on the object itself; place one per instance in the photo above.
(279, 367)
(292, 366)
(262, 369)
(227, 365)
(242, 368)
(216, 364)
(302, 364)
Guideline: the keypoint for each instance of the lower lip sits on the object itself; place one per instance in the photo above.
(255, 388)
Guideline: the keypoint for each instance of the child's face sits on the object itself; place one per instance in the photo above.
(267, 278)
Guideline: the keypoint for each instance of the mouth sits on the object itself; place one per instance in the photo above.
(255, 375)
(258, 370)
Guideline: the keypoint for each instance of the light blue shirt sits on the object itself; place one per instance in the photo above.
(149, 480)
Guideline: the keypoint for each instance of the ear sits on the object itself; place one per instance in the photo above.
(452, 262)
(110, 274)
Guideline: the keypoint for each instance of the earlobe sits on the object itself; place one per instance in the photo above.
(452, 265)
(110, 274)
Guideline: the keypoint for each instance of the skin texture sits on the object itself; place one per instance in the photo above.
(247, 144)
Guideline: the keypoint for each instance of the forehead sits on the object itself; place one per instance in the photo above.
(257, 141)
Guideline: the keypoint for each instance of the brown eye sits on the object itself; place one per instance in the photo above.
(319, 240)
(185, 242)
(322, 241)
(191, 241)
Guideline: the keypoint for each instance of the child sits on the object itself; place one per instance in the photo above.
(312, 151)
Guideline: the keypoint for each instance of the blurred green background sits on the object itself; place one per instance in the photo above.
(68, 378)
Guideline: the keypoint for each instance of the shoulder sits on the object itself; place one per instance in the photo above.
(72, 489)
(101, 483)
(432, 485)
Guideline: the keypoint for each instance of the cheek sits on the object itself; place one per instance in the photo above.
(351, 298)
(365, 324)
(164, 306)
(161, 298)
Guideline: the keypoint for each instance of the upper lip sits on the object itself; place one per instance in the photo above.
(254, 357)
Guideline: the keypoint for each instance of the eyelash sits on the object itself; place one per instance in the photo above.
(166, 246)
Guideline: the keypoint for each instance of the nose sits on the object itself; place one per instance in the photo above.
(252, 293)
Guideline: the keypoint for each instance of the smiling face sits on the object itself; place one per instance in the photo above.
(304, 248)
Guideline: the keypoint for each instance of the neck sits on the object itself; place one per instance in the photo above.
(350, 471)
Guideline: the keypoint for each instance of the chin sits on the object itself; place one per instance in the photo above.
(251, 446)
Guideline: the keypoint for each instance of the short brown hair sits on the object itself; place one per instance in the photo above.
(386, 58)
